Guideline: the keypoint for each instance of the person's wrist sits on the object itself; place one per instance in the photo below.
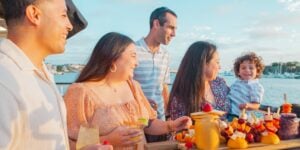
(170, 126)
(246, 106)
(103, 138)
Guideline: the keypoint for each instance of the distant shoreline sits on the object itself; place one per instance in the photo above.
(71, 76)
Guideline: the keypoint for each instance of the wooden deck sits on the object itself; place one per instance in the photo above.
(283, 145)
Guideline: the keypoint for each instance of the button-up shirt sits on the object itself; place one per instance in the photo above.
(33, 114)
(242, 91)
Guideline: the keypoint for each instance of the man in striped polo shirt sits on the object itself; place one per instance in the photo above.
(153, 71)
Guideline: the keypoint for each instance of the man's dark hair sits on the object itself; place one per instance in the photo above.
(160, 14)
(15, 9)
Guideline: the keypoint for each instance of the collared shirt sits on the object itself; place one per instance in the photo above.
(242, 91)
(152, 72)
(33, 114)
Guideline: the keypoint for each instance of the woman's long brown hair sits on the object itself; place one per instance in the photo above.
(189, 84)
(108, 49)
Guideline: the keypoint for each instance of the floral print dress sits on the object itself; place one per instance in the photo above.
(220, 91)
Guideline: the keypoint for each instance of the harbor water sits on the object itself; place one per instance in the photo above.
(274, 87)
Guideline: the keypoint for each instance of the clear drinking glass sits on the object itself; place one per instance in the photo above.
(87, 136)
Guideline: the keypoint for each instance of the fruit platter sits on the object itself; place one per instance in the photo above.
(275, 130)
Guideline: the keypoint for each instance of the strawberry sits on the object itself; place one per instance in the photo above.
(241, 121)
(207, 107)
(189, 145)
(105, 142)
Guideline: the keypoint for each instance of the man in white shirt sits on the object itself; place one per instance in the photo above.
(33, 114)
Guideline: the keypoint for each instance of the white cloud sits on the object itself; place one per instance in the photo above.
(136, 1)
(291, 5)
(224, 9)
(195, 36)
(266, 32)
(202, 28)
(281, 19)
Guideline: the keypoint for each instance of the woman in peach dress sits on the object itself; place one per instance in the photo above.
(105, 96)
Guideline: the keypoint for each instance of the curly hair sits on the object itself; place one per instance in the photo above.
(253, 58)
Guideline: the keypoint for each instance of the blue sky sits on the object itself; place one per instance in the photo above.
(271, 28)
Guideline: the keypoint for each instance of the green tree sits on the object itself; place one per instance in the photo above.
(59, 68)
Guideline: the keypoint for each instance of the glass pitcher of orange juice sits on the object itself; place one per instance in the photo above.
(207, 132)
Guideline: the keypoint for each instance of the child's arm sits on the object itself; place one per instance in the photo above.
(249, 106)
(256, 96)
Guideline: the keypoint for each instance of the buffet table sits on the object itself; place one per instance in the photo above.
(285, 144)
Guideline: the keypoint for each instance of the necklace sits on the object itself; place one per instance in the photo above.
(112, 88)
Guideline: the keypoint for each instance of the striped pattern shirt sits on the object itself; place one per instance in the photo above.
(152, 72)
(242, 91)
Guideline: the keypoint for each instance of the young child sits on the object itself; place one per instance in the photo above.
(246, 92)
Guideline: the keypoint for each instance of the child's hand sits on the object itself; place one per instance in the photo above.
(243, 106)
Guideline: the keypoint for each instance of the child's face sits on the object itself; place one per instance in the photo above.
(247, 70)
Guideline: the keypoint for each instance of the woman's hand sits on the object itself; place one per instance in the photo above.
(98, 147)
(180, 123)
(124, 136)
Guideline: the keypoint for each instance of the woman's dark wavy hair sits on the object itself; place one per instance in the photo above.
(108, 49)
(189, 83)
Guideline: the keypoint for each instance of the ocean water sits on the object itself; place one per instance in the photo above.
(274, 87)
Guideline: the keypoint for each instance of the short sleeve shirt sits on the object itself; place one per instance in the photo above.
(242, 91)
(152, 72)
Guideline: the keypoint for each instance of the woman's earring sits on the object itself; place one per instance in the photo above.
(113, 68)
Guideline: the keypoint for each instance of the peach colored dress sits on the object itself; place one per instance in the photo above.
(85, 106)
